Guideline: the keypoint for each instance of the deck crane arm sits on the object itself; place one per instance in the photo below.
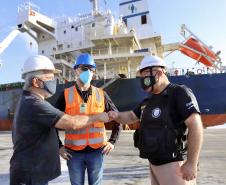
(7, 41)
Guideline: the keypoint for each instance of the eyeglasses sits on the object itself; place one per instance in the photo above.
(148, 71)
(85, 68)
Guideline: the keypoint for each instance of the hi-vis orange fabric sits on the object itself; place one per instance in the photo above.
(94, 135)
(196, 50)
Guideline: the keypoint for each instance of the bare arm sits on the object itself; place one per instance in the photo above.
(127, 117)
(80, 121)
(195, 137)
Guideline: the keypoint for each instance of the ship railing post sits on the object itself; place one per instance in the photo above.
(129, 69)
(110, 48)
(69, 76)
(64, 71)
(105, 70)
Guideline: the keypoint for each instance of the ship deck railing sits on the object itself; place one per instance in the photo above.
(113, 51)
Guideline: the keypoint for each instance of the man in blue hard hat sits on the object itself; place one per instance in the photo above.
(84, 149)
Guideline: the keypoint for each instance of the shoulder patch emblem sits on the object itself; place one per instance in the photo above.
(156, 112)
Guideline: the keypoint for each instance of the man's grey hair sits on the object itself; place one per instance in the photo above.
(29, 76)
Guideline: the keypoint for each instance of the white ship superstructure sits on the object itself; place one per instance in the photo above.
(117, 46)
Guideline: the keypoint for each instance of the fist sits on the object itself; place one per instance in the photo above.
(113, 115)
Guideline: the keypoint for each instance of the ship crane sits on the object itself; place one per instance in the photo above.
(43, 30)
(7, 41)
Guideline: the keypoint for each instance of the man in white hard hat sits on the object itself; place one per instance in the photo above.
(169, 119)
(35, 159)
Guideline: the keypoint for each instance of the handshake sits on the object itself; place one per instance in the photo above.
(108, 116)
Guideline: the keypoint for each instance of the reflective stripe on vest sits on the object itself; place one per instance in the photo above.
(98, 98)
(71, 94)
(94, 135)
(80, 131)
(75, 142)
(96, 140)
(83, 131)
(92, 130)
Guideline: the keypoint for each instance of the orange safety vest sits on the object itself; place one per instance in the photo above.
(93, 135)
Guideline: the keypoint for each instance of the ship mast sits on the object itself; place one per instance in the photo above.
(95, 6)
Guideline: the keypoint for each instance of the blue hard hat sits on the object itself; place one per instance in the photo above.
(85, 59)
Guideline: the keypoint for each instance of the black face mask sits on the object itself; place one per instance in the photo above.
(147, 81)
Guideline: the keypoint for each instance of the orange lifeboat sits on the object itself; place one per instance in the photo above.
(198, 51)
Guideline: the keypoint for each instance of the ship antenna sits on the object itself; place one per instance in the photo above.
(27, 2)
(105, 4)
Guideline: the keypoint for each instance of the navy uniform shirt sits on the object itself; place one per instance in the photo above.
(182, 104)
(36, 151)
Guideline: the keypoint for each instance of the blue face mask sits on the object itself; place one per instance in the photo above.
(86, 77)
(50, 86)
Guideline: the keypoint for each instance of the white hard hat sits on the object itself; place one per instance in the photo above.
(151, 61)
(38, 63)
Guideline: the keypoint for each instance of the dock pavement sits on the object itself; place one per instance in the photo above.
(124, 167)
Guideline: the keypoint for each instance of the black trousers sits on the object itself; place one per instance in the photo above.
(20, 177)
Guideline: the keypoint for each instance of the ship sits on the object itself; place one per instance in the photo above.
(117, 46)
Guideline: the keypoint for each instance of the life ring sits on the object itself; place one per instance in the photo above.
(199, 71)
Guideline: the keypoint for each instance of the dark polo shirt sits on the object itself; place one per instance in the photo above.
(36, 149)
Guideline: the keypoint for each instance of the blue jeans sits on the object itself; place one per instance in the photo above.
(92, 161)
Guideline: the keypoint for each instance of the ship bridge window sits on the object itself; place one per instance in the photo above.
(143, 19)
(60, 46)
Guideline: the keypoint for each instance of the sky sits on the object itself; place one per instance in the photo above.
(205, 18)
